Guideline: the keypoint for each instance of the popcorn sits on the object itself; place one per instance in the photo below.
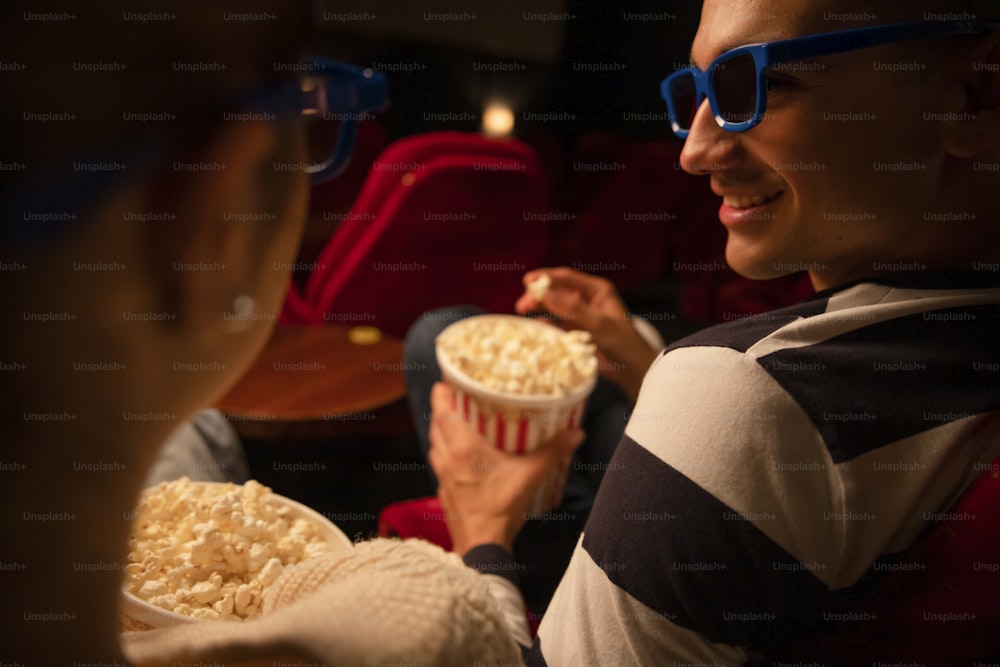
(520, 356)
(211, 551)
(538, 287)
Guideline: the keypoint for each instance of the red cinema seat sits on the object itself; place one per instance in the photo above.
(421, 517)
(644, 218)
(442, 219)
(644, 215)
(409, 155)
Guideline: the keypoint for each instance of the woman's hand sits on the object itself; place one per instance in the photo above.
(486, 494)
(582, 301)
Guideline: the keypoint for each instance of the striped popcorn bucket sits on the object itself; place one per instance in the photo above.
(518, 423)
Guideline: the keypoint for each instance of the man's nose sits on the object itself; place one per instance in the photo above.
(708, 148)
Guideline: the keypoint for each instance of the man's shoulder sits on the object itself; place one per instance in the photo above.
(867, 366)
(740, 331)
(858, 307)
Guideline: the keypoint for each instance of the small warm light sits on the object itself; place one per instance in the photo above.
(498, 120)
(364, 335)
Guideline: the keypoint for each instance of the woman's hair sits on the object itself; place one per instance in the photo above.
(104, 78)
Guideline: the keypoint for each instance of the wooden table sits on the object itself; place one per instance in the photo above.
(315, 381)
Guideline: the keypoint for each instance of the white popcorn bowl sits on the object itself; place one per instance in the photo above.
(137, 614)
(516, 423)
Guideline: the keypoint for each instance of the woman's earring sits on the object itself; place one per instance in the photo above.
(239, 317)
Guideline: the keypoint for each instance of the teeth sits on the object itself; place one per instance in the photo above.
(741, 201)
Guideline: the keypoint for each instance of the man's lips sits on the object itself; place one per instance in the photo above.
(749, 201)
(744, 209)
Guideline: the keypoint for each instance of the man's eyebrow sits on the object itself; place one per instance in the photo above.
(723, 50)
(726, 47)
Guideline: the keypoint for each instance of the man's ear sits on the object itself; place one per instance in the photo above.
(976, 130)
(203, 255)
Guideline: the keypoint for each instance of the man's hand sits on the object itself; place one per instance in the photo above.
(583, 301)
(486, 493)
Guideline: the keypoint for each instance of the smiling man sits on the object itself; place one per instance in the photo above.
(770, 464)
(775, 468)
(864, 159)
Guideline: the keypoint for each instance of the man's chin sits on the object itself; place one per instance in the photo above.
(755, 269)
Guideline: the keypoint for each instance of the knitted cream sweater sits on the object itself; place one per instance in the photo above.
(382, 602)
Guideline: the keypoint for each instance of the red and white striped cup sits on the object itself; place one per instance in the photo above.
(517, 423)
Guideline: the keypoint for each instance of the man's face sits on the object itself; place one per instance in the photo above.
(839, 175)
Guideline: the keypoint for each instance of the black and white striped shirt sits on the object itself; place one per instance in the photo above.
(770, 462)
